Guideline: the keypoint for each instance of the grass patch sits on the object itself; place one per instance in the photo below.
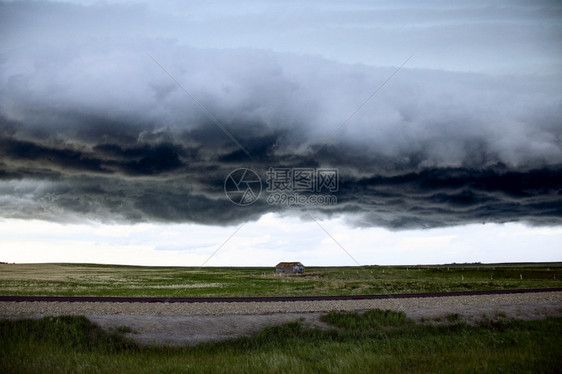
(370, 320)
(453, 317)
(375, 341)
(67, 332)
(112, 280)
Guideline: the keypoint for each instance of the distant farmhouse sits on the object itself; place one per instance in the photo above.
(289, 268)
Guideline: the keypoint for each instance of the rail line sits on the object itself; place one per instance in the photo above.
(122, 299)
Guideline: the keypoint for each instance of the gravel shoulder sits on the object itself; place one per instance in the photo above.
(192, 323)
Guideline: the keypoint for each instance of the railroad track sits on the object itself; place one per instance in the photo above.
(120, 299)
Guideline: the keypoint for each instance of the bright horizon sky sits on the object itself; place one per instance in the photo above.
(271, 240)
(120, 122)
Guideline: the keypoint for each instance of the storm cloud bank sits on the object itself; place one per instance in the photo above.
(97, 129)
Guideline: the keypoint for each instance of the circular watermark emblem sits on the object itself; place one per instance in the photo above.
(242, 186)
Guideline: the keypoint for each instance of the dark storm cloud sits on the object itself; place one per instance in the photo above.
(92, 128)
(31, 152)
(168, 182)
(451, 196)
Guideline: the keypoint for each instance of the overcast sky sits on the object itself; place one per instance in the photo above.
(120, 122)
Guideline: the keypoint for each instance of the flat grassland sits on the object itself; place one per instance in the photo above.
(113, 280)
(376, 341)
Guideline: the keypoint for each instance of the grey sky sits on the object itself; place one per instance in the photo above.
(498, 36)
(469, 131)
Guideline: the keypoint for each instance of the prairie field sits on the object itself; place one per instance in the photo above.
(351, 342)
(113, 280)
(375, 341)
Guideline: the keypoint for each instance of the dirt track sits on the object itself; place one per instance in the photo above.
(190, 323)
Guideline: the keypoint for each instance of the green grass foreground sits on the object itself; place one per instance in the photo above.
(376, 341)
(111, 280)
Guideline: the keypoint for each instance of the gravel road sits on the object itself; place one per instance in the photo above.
(190, 323)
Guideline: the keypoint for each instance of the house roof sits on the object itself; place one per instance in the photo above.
(287, 264)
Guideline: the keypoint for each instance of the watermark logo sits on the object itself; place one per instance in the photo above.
(242, 186)
(286, 186)
(302, 180)
(297, 186)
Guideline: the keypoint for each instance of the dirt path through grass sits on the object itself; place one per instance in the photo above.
(177, 324)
